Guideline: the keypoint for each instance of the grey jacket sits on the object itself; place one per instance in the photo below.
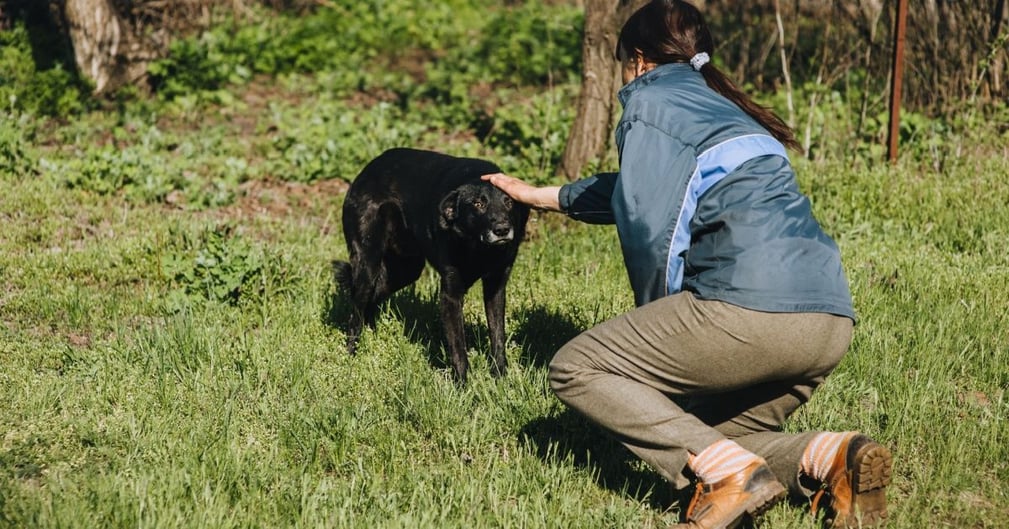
(706, 201)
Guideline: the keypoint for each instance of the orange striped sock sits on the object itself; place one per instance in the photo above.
(721, 460)
(820, 453)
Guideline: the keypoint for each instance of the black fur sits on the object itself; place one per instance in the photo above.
(408, 207)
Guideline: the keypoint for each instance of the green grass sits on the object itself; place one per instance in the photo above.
(172, 352)
(122, 405)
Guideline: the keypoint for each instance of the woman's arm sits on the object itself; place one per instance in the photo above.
(537, 197)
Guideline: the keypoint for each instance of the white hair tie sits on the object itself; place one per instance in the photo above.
(699, 60)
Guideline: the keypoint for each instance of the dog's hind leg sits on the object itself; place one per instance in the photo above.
(494, 306)
(361, 287)
(344, 275)
(375, 268)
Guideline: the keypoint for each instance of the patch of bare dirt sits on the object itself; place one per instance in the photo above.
(279, 199)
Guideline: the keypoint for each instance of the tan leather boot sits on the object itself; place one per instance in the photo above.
(727, 503)
(856, 484)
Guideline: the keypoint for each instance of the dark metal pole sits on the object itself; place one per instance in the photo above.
(896, 78)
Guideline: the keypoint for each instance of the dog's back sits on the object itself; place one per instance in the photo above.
(413, 178)
(400, 192)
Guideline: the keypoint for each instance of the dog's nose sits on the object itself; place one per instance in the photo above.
(501, 230)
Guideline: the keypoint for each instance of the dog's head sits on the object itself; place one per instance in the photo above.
(481, 211)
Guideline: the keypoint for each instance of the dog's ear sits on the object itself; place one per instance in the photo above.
(449, 209)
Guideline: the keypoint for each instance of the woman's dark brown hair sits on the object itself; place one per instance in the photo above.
(665, 31)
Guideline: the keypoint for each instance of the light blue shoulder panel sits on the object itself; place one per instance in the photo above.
(713, 165)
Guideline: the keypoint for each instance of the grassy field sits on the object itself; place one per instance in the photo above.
(172, 351)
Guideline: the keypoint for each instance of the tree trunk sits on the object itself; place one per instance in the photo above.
(587, 141)
(108, 48)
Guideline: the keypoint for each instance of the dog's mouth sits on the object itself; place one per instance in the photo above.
(496, 237)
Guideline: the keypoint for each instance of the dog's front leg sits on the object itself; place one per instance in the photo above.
(452, 291)
(494, 306)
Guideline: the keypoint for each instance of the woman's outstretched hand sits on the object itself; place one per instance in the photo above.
(537, 197)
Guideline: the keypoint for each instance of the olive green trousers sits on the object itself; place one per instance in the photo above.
(678, 374)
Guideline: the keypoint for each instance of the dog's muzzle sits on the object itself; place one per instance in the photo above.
(499, 235)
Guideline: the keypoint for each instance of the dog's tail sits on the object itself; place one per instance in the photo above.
(343, 275)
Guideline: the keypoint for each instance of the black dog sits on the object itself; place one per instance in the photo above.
(409, 206)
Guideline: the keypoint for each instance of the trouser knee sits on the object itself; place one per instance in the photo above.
(564, 371)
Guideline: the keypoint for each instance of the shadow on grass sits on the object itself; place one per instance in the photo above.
(541, 333)
(569, 437)
(420, 317)
(418, 314)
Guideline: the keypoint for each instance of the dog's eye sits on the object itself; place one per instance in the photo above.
(480, 204)
(507, 201)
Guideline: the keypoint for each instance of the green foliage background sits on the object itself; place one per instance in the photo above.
(172, 341)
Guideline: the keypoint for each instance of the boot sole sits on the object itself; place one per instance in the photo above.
(871, 472)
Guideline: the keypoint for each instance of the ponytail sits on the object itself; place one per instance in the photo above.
(776, 126)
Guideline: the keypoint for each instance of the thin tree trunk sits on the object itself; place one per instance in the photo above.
(587, 140)
(807, 141)
(872, 11)
(784, 63)
(998, 16)
(743, 61)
